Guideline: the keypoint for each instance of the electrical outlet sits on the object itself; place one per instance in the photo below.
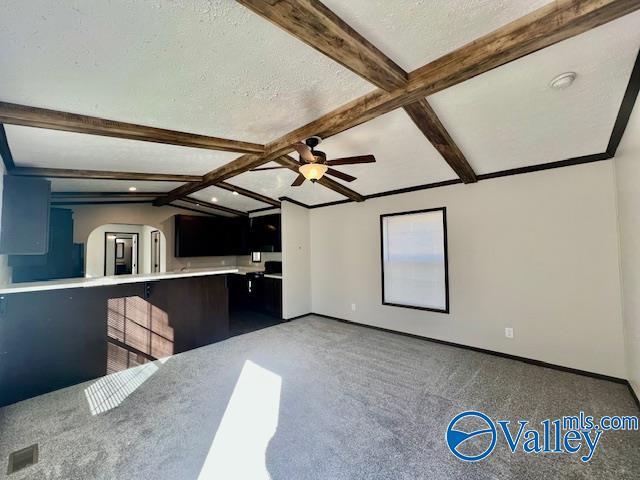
(508, 332)
(353, 307)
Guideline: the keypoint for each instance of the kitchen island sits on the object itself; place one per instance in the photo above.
(62, 332)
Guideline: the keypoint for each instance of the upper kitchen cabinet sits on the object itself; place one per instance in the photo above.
(265, 233)
(25, 216)
(202, 236)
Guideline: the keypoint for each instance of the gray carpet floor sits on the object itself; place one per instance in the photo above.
(310, 399)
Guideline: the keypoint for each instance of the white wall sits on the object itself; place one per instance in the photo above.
(627, 163)
(537, 252)
(296, 265)
(88, 217)
(94, 248)
(5, 270)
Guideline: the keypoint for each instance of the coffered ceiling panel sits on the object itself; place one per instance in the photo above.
(277, 183)
(89, 185)
(204, 66)
(510, 117)
(404, 156)
(37, 147)
(415, 32)
(226, 198)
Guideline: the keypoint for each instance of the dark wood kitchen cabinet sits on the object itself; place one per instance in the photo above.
(272, 296)
(256, 293)
(57, 338)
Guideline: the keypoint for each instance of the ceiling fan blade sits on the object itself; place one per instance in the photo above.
(341, 175)
(298, 181)
(304, 151)
(258, 169)
(352, 160)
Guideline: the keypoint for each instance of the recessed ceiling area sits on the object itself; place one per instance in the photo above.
(228, 199)
(115, 186)
(510, 117)
(415, 33)
(277, 184)
(404, 156)
(207, 67)
(38, 147)
(205, 80)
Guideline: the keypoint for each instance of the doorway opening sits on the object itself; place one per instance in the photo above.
(121, 253)
(155, 251)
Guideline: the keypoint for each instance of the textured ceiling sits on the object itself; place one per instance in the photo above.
(228, 199)
(210, 67)
(415, 32)
(277, 183)
(85, 185)
(404, 156)
(510, 117)
(215, 68)
(37, 147)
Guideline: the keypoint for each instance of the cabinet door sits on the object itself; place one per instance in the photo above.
(25, 216)
(238, 292)
(54, 339)
(197, 309)
(273, 296)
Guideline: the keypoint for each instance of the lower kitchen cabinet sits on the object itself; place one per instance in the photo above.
(255, 293)
(57, 338)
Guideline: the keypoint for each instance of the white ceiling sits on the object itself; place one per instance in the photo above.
(204, 66)
(228, 199)
(215, 68)
(37, 147)
(510, 117)
(277, 183)
(404, 156)
(415, 32)
(86, 185)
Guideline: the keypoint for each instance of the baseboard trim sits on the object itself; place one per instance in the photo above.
(297, 317)
(633, 394)
(530, 361)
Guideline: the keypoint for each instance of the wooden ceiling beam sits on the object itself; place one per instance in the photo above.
(213, 206)
(430, 125)
(108, 175)
(5, 151)
(546, 26)
(26, 116)
(248, 193)
(59, 195)
(553, 23)
(102, 175)
(316, 25)
(228, 170)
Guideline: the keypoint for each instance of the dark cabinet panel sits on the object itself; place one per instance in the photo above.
(62, 259)
(256, 293)
(272, 296)
(58, 338)
(265, 233)
(198, 236)
(54, 339)
(197, 309)
(25, 216)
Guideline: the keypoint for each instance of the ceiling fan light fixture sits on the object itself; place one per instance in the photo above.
(313, 171)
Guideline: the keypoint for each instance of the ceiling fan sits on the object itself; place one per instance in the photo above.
(314, 164)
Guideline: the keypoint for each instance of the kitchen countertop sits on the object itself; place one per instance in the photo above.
(112, 280)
